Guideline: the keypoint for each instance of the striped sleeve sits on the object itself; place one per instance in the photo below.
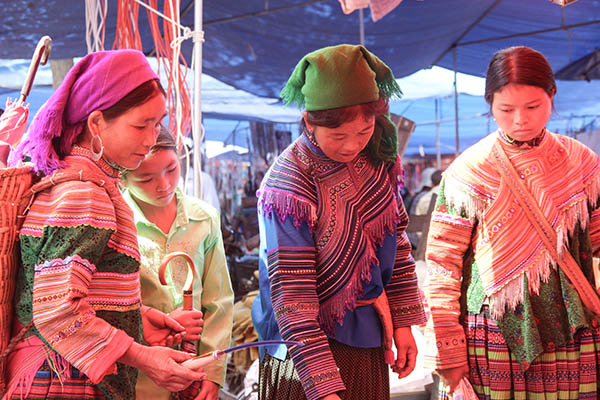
(292, 275)
(402, 291)
(448, 240)
(61, 312)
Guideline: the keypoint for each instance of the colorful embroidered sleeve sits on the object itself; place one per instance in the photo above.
(292, 275)
(449, 238)
(61, 255)
(403, 292)
(217, 302)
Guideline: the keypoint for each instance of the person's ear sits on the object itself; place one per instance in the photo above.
(96, 122)
(310, 128)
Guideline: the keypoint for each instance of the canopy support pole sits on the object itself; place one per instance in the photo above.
(361, 26)
(437, 135)
(455, 101)
(197, 130)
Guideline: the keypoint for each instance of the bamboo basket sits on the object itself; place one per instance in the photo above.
(14, 198)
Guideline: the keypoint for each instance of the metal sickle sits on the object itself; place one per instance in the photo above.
(188, 295)
(40, 56)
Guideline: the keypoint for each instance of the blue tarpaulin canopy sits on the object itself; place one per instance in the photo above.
(253, 45)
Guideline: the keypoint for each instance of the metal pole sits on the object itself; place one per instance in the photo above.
(197, 131)
(437, 135)
(455, 102)
(361, 26)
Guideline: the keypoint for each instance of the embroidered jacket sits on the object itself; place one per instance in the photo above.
(79, 281)
(330, 233)
(478, 225)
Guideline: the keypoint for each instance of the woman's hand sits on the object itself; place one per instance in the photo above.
(406, 351)
(160, 329)
(208, 391)
(162, 365)
(191, 320)
(452, 376)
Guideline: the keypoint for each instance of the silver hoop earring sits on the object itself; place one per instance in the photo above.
(96, 155)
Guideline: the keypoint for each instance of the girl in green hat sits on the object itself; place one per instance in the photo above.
(335, 267)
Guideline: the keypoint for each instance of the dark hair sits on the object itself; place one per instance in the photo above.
(335, 117)
(380, 146)
(521, 65)
(164, 141)
(136, 97)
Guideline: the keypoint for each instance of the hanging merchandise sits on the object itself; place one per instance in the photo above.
(379, 8)
(169, 57)
(128, 34)
(168, 54)
(349, 6)
(95, 24)
(268, 141)
(563, 3)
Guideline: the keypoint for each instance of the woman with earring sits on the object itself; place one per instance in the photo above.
(78, 297)
(335, 267)
(510, 249)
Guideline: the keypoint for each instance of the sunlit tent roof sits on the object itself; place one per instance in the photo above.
(227, 109)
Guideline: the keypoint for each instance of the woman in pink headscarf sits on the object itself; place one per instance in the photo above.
(78, 295)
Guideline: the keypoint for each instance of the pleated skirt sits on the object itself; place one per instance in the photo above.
(364, 372)
(566, 372)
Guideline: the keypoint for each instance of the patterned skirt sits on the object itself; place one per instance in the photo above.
(567, 372)
(47, 385)
(364, 372)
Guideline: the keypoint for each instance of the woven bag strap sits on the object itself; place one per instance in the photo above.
(567, 263)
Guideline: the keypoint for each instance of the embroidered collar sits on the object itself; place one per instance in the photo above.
(186, 211)
(522, 144)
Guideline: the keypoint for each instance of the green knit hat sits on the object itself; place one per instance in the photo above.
(339, 76)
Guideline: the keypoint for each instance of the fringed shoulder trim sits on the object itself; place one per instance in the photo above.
(286, 204)
(289, 189)
(473, 179)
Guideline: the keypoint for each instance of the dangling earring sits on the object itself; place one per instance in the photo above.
(96, 155)
(311, 136)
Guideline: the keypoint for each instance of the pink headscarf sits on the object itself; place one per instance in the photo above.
(97, 82)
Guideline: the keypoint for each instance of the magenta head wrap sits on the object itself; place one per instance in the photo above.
(97, 82)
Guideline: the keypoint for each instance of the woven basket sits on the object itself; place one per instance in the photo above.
(14, 198)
